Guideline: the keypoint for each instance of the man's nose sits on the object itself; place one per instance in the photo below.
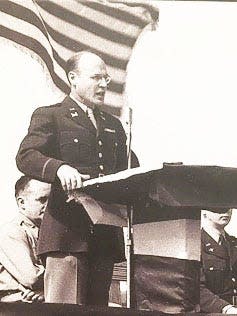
(103, 82)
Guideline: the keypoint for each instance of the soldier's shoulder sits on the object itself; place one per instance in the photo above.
(232, 240)
(48, 109)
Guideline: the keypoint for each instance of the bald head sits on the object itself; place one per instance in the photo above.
(88, 77)
(82, 59)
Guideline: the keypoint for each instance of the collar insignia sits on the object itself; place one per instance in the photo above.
(73, 112)
(209, 247)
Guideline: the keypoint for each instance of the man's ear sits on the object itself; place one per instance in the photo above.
(72, 77)
(20, 202)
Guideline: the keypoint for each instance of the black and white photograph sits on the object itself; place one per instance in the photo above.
(119, 158)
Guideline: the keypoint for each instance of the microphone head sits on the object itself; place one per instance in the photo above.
(128, 115)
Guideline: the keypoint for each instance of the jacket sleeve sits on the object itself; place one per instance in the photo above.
(35, 157)
(15, 256)
(209, 302)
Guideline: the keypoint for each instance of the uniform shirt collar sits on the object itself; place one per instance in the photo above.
(22, 219)
(80, 104)
(213, 232)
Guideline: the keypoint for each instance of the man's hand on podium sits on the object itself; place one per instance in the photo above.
(70, 178)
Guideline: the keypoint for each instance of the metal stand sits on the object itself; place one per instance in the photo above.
(129, 248)
(129, 241)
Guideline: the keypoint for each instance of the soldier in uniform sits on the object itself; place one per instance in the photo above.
(218, 286)
(67, 143)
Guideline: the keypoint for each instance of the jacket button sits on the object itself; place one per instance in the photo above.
(100, 155)
(100, 142)
(233, 279)
(75, 140)
(91, 229)
(101, 167)
(211, 268)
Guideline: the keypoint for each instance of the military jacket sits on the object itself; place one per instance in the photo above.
(63, 134)
(218, 273)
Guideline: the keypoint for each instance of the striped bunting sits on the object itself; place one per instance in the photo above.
(55, 29)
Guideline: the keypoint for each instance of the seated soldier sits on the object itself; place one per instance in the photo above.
(21, 272)
(218, 287)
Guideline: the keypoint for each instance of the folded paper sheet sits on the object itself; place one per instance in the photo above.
(100, 212)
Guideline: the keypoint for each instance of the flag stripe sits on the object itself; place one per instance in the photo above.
(107, 20)
(24, 14)
(151, 8)
(87, 38)
(75, 45)
(116, 13)
(40, 50)
(31, 31)
(84, 23)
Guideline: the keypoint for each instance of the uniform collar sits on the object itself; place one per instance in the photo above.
(74, 111)
(80, 104)
(213, 232)
(22, 219)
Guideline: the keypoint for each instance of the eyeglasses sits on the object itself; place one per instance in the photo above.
(99, 78)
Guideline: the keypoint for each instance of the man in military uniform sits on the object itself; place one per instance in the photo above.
(67, 143)
(218, 286)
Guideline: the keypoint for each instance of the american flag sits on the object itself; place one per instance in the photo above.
(53, 30)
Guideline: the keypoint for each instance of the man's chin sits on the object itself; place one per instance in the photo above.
(224, 221)
(99, 99)
(95, 103)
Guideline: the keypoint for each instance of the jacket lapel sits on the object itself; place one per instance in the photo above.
(76, 114)
(211, 247)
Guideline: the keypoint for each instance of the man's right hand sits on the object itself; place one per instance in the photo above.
(70, 178)
(29, 296)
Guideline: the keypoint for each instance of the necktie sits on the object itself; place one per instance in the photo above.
(91, 116)
(224, 243)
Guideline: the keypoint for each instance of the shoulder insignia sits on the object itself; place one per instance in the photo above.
(102, 115)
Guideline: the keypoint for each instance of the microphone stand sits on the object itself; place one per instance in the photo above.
(129, 239)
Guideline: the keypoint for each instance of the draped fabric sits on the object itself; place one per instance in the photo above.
(55, 29)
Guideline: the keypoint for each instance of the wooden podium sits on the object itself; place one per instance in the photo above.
(166, 225)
